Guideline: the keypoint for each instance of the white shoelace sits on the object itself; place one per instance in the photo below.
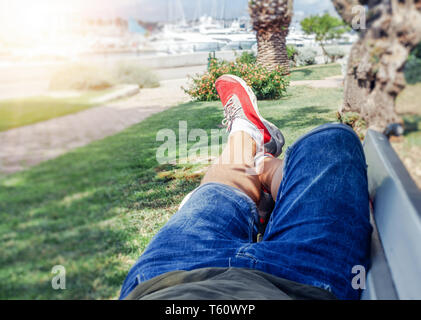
(231, 111)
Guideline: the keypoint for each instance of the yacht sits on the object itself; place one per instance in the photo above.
(206, 34)
(175, 40)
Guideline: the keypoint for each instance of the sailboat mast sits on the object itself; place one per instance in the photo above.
(180, 10)
(198, 10)
(223, 11)
(214, 10)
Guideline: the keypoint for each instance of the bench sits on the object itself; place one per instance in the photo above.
(395, 271)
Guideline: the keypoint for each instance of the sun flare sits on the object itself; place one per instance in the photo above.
(41, 26)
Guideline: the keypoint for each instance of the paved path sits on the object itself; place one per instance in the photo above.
(330, 82)
(28, 146)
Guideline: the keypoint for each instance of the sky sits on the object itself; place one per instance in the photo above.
(148, 10)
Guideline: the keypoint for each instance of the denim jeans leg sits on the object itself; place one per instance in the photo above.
(208, 230)
(320, 226)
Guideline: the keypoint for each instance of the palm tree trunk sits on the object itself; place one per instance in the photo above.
(272, 51)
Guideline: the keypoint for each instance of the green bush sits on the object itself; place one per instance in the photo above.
(98, 77)
(292, 52)
(265, 84)
(413, 66)
(306, 56)
(355, 121)
(134, 73)
(246, 57)
(292, 55)
(81, 77)
(335, 53)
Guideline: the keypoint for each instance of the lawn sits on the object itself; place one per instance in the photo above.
(95, 209)
(24, 111)
(316, 72)
(408, 106)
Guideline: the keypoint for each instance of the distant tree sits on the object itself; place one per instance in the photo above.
(271, 20)
(324, 28)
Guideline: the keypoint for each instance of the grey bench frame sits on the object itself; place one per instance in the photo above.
(395, 271)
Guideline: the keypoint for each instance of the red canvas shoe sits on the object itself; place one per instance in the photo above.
(241, 113)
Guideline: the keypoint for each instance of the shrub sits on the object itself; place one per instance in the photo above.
(413, 66)
(307, 56)
(246, 57)
(134, 73)
(355, 121)
(98, 77)
(81, 77)
(413, 71)
(265, 84)
(292, 55)
(335, 53)
(292, 52)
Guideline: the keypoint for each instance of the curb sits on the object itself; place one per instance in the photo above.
(122, 92)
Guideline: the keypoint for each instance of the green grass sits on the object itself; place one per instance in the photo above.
(409, 150)
(24, 111)
(412, 129)
(95, 209)
(409, 107)
(316, 72)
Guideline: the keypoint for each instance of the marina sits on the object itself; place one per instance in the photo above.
(67, 38)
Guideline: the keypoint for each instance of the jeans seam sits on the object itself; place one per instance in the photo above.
(247, 255)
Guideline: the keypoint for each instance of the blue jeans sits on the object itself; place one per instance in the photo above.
(318, 231)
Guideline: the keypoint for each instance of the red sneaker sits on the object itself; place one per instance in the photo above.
(241, 113)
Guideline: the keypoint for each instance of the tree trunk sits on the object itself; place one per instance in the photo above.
(272, 51)
(365, 93)
(271, 20)
(375, 68)
(344, 8)
(325, 54)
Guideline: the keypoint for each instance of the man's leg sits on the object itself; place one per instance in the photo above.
(236, 165)
(209, 228)
(319, 229)
(219, 218)
(271, 175)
